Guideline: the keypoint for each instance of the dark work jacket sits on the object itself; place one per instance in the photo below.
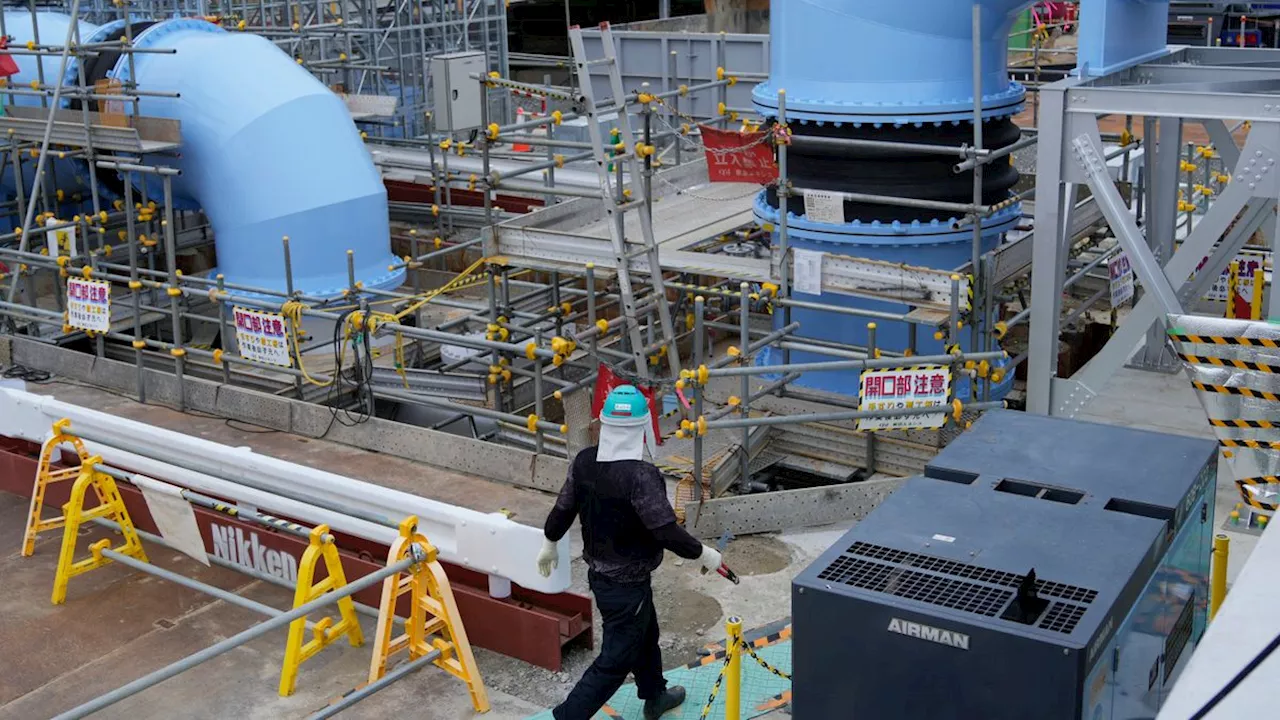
(626, 518)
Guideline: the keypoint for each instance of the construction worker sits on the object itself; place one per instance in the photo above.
(627, 522)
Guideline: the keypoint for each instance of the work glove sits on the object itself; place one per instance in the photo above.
(548, 558)
(710, 559)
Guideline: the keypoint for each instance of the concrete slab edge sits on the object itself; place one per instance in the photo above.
(514, 466)
(787, 509)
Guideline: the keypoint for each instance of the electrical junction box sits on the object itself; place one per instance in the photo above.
(456, 95)
(1041, 568)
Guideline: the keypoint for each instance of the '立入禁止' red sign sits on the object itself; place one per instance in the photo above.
(738, 156)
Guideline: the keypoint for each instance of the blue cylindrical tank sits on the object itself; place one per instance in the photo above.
(268, 151)
(898, 72)
(853, 60)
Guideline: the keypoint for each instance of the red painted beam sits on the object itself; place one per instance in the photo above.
(529, 625)
(403, 191)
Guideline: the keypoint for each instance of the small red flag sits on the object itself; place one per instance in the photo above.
(7, 65)
(607, 380)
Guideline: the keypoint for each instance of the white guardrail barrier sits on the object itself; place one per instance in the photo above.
(486, 542)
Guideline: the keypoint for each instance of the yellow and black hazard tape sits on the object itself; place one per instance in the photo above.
(1219, 340)
(764, 663)
(283, 524)
(775, 701)
(715, 690)
(760, 642)
(1242, 391)
(1248, 497)
(1241, 364)
(1263, 424)
(672, 470)
(1252, 444)
(226, 509)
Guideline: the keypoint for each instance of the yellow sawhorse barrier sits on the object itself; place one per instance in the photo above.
(46, 476)
(111, 506)
(434, 622)
(325, 632)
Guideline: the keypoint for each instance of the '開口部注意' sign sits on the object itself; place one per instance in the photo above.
(904, 389)
(89, 304)
(263, 337)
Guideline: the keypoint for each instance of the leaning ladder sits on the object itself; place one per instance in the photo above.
(618, 198)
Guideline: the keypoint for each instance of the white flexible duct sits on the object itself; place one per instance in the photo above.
(486, 542)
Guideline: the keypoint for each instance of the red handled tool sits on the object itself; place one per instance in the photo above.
(724, 571)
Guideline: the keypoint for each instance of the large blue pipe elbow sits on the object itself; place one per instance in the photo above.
(268, 152)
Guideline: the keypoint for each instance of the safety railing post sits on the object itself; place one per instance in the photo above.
(733, 681)
(1218, 573)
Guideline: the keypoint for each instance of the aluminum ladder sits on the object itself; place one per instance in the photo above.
(620, 197)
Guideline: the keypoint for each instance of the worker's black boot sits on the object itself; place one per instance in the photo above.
(670, 699)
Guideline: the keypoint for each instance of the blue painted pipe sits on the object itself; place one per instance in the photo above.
(268, 151)
(859, 61)
(857, 64)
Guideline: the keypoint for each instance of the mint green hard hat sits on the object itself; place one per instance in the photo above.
(625, 405)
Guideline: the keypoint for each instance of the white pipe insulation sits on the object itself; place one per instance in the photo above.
(486, 542)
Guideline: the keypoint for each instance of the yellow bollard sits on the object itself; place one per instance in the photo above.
(1233, 280)
(733, 681)
(1255, 306)
(1218, 573)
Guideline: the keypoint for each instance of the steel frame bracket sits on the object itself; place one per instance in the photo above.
(1256, 177)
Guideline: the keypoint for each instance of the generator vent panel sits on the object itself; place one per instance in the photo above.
(913, 585)
(1041, 568)
(968, 572)
(1062, 617)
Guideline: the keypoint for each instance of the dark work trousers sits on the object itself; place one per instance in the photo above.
(630, 646)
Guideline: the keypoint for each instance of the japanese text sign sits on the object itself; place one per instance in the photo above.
(89, 304)
(738, 157)
(904, 389)
(263, 337)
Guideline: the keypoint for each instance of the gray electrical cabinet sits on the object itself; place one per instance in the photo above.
(456, 95)
(1042, 568)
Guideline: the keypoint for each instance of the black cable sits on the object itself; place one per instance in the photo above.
(247, 427)
(22, 372)
(1239, 678)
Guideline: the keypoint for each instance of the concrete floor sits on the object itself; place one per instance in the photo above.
(118, 625)
(114, 614)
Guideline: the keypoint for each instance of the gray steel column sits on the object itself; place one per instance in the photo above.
(1162, 217)
(1048, 254)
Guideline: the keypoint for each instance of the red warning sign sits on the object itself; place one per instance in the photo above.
(740, 157)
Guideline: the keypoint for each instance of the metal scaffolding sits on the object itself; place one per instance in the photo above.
(533, 298)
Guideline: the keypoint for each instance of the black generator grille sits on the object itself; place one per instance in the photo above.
(951, 584)
(970, 572)
(913, 585)
(1062, 617)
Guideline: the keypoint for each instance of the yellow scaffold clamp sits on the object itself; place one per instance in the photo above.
(324, 633)
(434, 622)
